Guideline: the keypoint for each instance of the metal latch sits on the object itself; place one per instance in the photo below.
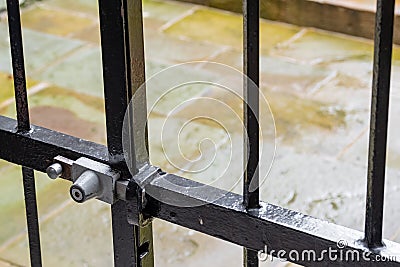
(91, 179)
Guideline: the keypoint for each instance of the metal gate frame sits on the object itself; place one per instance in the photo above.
(240, 219)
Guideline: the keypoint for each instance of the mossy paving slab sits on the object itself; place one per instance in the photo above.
(12, 212)
(290, 110)
(280, 74)
(178, 246)
(89, 34)
(168, 90)
(53, 21)
(221, 166)
(81, 230)
(297, 179)
(40, 49)
(80, 72)
(68, 112)
(327, 189)
(158, 46)
(317, 46)
(91, 233)
(224, 28)
(89, 7)
(7, 87)
(164, 10)
(357, 151)
(172, 153)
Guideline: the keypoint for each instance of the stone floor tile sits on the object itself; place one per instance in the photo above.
(68, 112)
(80, 72)
(77, 228)
(91, 230)
(357, 151)
(280, 74)
(7, 92)
(227, 29)
(7, 87)
(51, 195)
(6, 264)
(158, 47)
(294, 115)
(173, 154)
(323, 188)
(53, 21)
(176, 245)
(89, 34)
(165, 10)
(318, 46)
(165, 92)
(88, 7)
(297, 180)
(40, 49)
(12, 208)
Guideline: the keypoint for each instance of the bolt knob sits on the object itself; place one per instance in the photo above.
(87, 186)
(54, 170)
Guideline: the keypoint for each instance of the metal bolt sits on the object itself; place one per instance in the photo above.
(87, 186)
(54, 170)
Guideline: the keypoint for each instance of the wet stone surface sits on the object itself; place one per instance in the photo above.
(317, 85)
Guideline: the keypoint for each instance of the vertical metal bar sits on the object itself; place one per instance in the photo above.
(379, 122)
(251, 20)
(18, 65)
(132, 244)
(32, 216)
(134, 41)
(21, 101)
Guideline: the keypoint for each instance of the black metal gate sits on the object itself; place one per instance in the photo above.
(240, 219)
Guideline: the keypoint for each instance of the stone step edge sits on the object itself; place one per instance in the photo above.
(307, 13)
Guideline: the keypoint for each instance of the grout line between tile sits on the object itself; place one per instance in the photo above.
(62, 58)
(292, 39)
(348, 146)
(317, 87)
(178, 18)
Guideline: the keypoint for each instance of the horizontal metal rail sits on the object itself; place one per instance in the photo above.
(271, 227)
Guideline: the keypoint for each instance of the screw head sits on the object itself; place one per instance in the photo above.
(54, 170)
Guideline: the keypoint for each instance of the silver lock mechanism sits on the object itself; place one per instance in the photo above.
(91, 179)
